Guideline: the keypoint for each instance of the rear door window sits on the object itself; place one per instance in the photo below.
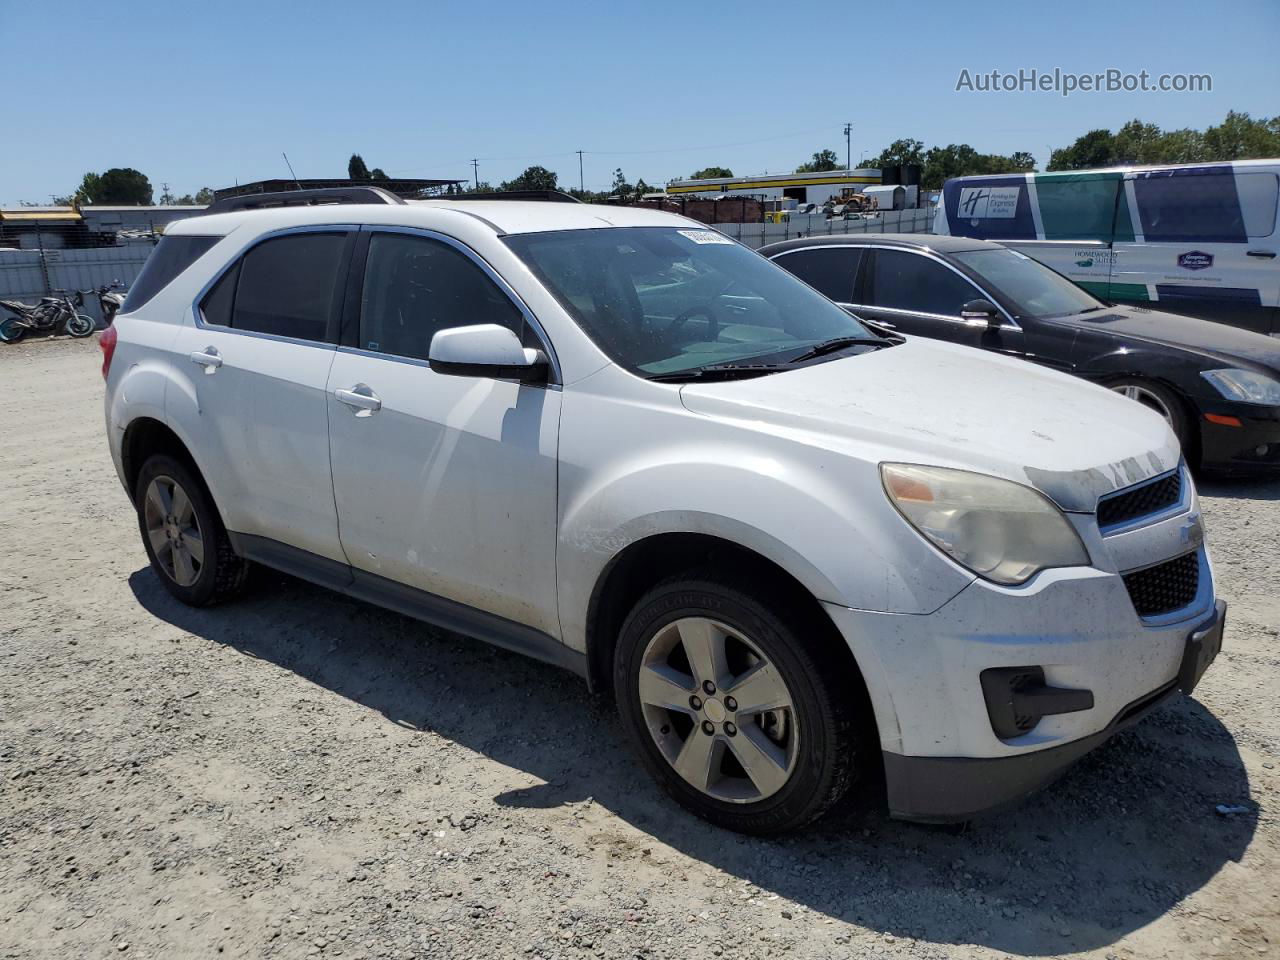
(829, 270)
(171, 256)
(290, 286)
(909, 281)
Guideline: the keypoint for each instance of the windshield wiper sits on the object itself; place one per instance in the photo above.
(839, 343)
(720, 371)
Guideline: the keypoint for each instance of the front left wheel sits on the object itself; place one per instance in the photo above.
(184, 537)
(737, 704)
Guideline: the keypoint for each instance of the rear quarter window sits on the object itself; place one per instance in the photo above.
(172, 255)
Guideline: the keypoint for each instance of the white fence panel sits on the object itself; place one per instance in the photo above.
(756, 235)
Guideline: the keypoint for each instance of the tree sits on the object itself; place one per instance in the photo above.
(1097, 148)
(711, 173)
(482, 187)
(1238, 137)
(377, 174)
(122, 186)
(356, 170)
(533, 178)
(822, 160)
(203, 196)
(899, 153)
(1022, 162)
(620, 186)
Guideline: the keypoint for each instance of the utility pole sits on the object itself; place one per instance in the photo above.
(581, 188)
(475, 169)
(848, 146)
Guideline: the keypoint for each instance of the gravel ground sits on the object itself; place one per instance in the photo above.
(298, 774)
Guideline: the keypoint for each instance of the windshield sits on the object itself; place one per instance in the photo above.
(665, 300)
(1035, 290)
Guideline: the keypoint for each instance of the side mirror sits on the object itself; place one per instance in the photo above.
(486, 350)
(981, 313)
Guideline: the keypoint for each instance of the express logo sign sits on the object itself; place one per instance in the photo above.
(989, 203)
(1195, 260)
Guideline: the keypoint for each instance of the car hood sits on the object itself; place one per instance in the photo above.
(947, 405)
(1171, 329)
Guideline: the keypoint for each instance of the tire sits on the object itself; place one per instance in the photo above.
(803, 755)
(11, 330)
(175, 514)
(81, 325)
(1163, 401)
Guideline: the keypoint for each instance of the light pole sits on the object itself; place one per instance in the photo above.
(475, 169)
(848, 146)
(581, 188)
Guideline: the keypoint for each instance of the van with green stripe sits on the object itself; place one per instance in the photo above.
(1197, 239)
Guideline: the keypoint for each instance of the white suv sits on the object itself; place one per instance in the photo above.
(799, 554)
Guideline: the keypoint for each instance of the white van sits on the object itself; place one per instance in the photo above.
(1198, 239)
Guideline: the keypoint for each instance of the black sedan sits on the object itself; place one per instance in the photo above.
(1218, 386)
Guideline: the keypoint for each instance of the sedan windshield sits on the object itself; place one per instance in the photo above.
(663, 300)
(1035, 290)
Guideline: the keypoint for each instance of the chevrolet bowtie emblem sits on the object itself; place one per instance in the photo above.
(1192, 532)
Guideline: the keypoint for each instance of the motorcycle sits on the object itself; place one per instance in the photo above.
(46, 315)
(110, 300)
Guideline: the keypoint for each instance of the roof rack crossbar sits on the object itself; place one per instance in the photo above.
(303, 198)
(551, 196)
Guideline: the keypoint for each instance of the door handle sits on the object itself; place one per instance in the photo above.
(363, 400)
(207, 358)
(1264, 254)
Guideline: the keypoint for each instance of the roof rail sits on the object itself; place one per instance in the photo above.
(302, 198)
(551, 196)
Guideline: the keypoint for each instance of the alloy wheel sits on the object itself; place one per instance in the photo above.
(173, 530)
(1145, 397)
(718, 710)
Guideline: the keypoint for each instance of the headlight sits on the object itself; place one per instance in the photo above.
(998, 529)
(1245, 386)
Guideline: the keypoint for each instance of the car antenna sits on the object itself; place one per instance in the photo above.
(296, 181)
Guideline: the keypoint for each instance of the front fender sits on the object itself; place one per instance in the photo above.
(845, 549)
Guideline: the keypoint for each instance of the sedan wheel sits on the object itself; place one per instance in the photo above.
(173, 530)
(1147, 398)
(718, 710)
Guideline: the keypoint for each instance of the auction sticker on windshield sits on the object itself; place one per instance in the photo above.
(705, 236)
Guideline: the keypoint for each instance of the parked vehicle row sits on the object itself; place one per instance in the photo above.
(1197, 239)
(802, 552)
(1218, 387)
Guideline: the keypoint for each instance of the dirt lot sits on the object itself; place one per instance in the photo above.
(298, 774)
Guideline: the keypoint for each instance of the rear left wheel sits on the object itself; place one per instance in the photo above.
(736, 705)
(188, 547)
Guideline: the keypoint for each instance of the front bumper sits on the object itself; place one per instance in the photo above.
(1252, 447)
(943, 759)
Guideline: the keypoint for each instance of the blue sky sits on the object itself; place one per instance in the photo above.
(206, 94)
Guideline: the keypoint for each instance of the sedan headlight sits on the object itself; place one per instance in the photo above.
(1245, 386)
(1000, 530)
